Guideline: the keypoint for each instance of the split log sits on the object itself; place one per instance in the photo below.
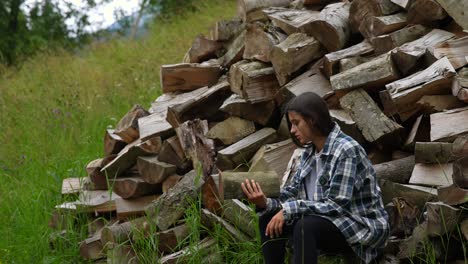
(92, 202)
(446, 126)
(414, 194)
(425, 12)
(154, 125)
(332, 28)
(121, 254)
(273, 157)
(460, 147)
(261, 113)
(412, 246)
(455, 50)
(438, 103)
(209, 220)
(351, 62)
(231, 130)
(131, 208)
(375, 73)
(203, 106)
(403, 217)
(260, 40)
(415, 133)
(398, 171)
(433, 152)
(72, 186)
(317, 2)
(405, 4)
(98, 179)
(374, 125)
(169, 239)
(127, 157)
(376, 26)
(204, 247)
(154, 171)
(235, 51)
(92, 248)
(400, 96)
(397, 38)
(251, 10)
(244, 149)
(293, 166)
(127, 128)
(460, 172)
(171, 206)
(189, 76)
(452, 195)
(347, 124)
(240, 215)
(441, 218)
(113, 143)
(432, 174)
(254, 81)
(361, 9)
(292, 20)
(407, 56)
(164, 101)
(172, 153)
(457, 10)
(170, 182)
(134, 187)
(203, 49)
(227, 29)
(330, 60)
(292, 54)
(460, 85)
(231, 183)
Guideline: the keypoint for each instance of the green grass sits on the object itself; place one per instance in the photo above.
(53, 115)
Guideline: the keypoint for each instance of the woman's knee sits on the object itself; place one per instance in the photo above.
(309, 226)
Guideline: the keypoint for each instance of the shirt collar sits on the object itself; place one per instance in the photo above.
(328, 143)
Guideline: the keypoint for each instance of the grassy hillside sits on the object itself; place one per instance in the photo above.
(53, 115)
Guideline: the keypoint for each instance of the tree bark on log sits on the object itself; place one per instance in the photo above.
(204, 247)
(231, 183)
(441, 218)
(360, 9)
(331, 59)
(460, 85)
(209, 220)
(240, 215)
(387, 42)
(460, 172)
(113, 143)
(170, 182)
(260, 40)
(347, 124)
(292, 20)
(235, 51)
(433, 152)
(273, 157)
(189, 76)
(172, 153)
(134, 187)
(127, 128)
(225, 30)
(414, 194)
(376, 26)
(251, 10)
(457, 10)
(261, 113)
(425, 12)
(119, 233)
(398, 171)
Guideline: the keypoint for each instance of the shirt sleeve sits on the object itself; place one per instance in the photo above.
(336, 197)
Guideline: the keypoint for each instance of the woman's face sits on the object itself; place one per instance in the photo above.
(300, 128)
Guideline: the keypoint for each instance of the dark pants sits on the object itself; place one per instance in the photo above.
(307, 235)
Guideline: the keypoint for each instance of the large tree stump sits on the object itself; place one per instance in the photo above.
(261, 113)
(260, 40)
(231, 183)
(127, 128)
(330, 60)
(189, 76)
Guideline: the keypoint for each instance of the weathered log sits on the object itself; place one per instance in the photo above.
(425, 12)
(412, 246)
(127, 157)
(171, 206)
(403, 217)
(455, 50)
(452, 195)
(293, 53)
(374, 125)
(113, 143)
(131, 208)
(398, 171)
(189, 76)
(209, 220)
(330, 60)
(292, 20)
(446, 126)
(351, 62)
(438, 103)
(203, 49)
(92, 248)
(361, 9)
(376, 26)
(412, 193)
(251, 10)
(457, 10)
(347, 124)
(92, 202)
(240, 215)
(405, 4)
(235, 51)
(260, 40)
(273, 157)
(460, 86)
(375, 73)
(293, 166)
(134, 187)
(432, 174)
(441, 218)
(204, 247)
(231, 183)
(231, 130)
(154, 171)
(332, 28)
(261, 113)
(203, 106)
(243, 150)
(155, 125)
(169, 239)
(407, 56)
(415, 133)
(460, 172)
(172, 153)
(170, 182)
(433, 152)
(227, 29)
(121, 254)
(397, 38)
(127, 128)
(72, 186)
(254, 81)
(460, 147)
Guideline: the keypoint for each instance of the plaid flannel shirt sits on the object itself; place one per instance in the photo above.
(347, 193)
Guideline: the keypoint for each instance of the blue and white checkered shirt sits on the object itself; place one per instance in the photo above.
(347, 193)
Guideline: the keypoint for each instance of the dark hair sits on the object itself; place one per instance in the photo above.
(314, 110)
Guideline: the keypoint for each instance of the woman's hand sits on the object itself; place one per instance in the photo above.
(275, 226)
(254, 193)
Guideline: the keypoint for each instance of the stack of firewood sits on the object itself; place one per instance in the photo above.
(392, 73)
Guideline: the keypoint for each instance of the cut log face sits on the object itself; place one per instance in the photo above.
(433, 152)
(398, 171)
(293, 53)
(351, 62)
(439, 103)
(387, 42)
(251, 10)
(330, 66)
(154, 125)
(441, 218)
(95, 175)
(154, 171)
(408, 55)
(260, 40)
(172, 153)
(361, 9)
(130, 208)
(243, 150)
(210, 220)
(240, 215)
(375, 73)
(231, 183)
(452, 195)
(226, 29)
(235, 51)
(425, 12)
(203, 106)
(455, 50)
(432, 174)
(446, 126)
(171, 206)
(127, 128)
(292, 20)
(374, 125)
(402, 3)
(189, 76)
(231, 130)
(457, 10)
(347, 124)
(134, 187)
(254, 81)
(273, 157)
(72, 186)
(113, 143)
(332, 28)
(376, 26)
(460, 147)
(203, 49)
(92, 248)
(260, 113)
